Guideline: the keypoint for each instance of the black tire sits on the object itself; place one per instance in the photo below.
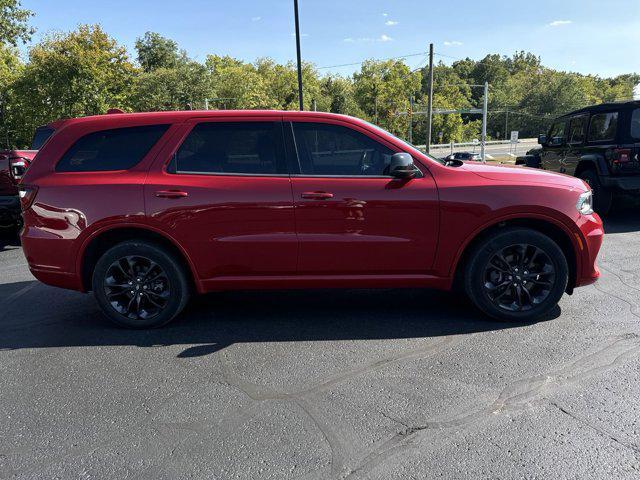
(143, 279)
(602, 197)
(485, 273)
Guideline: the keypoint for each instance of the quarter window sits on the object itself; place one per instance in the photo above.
(635, 124)
(107, 150)
(228, 148)
(578, 129)
(603, 127)
(325, 149)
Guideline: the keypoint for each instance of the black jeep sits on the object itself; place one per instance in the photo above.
(600, 144)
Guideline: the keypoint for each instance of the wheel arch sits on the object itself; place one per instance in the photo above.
(591, 162)
(548, 227)
(106, 238)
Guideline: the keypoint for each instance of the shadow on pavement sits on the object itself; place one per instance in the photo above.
(212, 322)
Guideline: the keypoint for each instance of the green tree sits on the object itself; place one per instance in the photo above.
(84, 72)
(155, 51)
(14, 25)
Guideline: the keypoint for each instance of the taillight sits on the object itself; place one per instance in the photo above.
(27, 196)
(18, 168)
(621, 155)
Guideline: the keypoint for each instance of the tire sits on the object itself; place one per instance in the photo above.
(486, 276)
(602, 197)
(158, 292)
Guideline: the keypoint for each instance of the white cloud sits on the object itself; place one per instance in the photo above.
(382, 38)
(391, 23)
(256, 19)
(385, 14)
(452, 43)
(559, 23)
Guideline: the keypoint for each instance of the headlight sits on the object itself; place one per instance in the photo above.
(585, 203)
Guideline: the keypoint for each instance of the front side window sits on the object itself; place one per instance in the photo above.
(578, 129)
(109, 150)
(603, 127)
(635, 124)
(228, 148)
(334, 150)
(557, 133)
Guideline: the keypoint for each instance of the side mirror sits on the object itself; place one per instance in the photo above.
(542, 139)
(402, 166)
(18, 168)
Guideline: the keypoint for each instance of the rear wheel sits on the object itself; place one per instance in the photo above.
(140, 285)
(517, 275)
(602, 197)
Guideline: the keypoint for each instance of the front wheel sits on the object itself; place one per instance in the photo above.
(140, 285)
(602, 197)
(516, 275)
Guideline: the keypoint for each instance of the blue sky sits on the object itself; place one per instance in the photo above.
(588, 36)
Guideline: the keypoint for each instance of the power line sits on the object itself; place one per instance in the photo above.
(374, 59)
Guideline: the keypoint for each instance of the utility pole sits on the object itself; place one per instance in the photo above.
(295, 6)
(314, 105)
(430, 104)
(411, 119)
(485, 108)
(506, 123)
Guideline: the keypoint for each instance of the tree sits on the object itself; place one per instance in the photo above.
(13, 23)
(180, 88)
(237, 84)
(156, 51)
(84, 72)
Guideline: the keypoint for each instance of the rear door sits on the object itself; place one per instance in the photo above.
(223, 193)
(352, 217)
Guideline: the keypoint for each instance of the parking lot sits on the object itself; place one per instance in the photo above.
(322, 384)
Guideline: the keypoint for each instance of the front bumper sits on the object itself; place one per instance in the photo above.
(589, 246)
(10, 214)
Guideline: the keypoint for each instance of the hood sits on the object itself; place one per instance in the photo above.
(520, 174)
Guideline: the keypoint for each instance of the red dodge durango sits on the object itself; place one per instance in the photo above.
(146, 209)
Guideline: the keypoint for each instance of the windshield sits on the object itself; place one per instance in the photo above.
(410, 148)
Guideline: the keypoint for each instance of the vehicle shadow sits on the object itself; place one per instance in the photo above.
(623, 220)
(213, 322)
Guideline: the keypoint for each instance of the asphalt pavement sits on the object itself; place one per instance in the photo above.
(324, 384)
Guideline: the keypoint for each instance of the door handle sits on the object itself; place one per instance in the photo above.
(171, 194)
(317, 195)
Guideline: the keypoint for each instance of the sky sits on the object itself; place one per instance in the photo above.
(600, 37)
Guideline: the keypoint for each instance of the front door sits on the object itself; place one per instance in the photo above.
(553, 154)
(225, 195)
(352, 217)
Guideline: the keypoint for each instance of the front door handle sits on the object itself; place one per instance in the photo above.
(317, 195)
(171, 194)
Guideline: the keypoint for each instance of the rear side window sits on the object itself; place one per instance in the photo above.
(578, 129)
(41, 135)
(107, 150)
(603, 127)
(252, 148)
(635, 124)
(332, 150)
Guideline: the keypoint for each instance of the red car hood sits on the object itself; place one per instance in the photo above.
(518, 174)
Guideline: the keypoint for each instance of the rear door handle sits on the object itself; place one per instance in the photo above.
(171, 194)
(317, 195)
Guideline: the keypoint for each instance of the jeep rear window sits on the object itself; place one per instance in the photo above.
(635, 124)
(603, 127)
(41, 135)
(108, 150)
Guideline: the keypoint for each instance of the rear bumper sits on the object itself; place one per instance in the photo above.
(621, 183)
(10, 214)
(589, 245)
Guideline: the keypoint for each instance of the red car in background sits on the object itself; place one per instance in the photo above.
(13, 165)
(146, 209)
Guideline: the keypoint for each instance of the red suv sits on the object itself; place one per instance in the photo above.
(145, 209)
